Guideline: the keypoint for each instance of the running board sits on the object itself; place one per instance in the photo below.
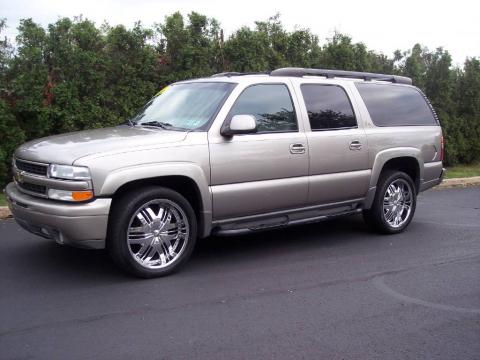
(271, 223)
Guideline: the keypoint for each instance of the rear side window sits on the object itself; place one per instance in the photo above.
(394, 105)
(271, 105)
(328, 107)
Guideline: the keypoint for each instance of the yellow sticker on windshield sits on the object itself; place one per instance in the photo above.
(162, 91)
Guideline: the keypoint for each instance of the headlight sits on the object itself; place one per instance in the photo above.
(69, 172)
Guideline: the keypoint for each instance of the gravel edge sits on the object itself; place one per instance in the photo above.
(459, 182)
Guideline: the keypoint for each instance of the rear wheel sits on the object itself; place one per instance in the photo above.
(394, 204)
(152, 232)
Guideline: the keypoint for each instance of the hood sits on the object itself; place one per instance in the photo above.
(66, 148)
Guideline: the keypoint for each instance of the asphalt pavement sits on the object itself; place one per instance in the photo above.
(331, 290)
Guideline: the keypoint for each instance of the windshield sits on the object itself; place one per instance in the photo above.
(186, 106)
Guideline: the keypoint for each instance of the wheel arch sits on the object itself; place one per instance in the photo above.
(408, 160)
(186, 179)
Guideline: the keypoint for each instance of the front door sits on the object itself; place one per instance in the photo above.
(262, 172)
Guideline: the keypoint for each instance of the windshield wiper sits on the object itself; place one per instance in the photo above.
(128, 122)
(160, 124)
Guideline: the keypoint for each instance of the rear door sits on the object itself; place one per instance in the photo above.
(338, 145)
(262, 172)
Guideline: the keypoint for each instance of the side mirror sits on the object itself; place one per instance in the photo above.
(240, 124)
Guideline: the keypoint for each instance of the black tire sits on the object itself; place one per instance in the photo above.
(375, 216)
(123, 212)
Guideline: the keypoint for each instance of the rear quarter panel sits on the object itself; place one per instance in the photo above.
(385, 143)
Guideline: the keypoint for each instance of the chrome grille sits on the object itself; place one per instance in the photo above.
(33, 168)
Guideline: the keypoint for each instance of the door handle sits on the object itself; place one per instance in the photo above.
(355, 145)
(297, 149)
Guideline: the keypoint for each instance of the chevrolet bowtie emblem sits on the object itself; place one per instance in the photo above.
(19, 176)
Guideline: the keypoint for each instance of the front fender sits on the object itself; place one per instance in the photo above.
(122, 176)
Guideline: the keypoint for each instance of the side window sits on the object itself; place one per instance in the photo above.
(396, 105)
(271, 105)
(328, 107)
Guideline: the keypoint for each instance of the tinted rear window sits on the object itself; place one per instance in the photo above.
(328, 107)
(394, 105)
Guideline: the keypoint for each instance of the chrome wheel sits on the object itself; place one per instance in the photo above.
(158, 233)
(397, 203)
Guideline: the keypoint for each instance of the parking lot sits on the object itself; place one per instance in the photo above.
(330, 290)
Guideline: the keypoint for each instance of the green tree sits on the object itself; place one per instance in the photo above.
(29, 75)
(302, 48)
(468, 102)
(11, 134)
(74, 75)
(246, 51)
(339, 53)
(131, 70)
(415, 66)
(189, 49)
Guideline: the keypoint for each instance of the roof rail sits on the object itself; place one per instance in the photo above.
(330, 74)
(234, 73)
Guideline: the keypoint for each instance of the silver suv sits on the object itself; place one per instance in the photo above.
(231, 154)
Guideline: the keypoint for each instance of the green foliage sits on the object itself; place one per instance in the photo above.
(190, 49)
(468, 102)
(74, 75)
(12, 136)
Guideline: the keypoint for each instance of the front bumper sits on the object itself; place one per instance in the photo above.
(81, 225)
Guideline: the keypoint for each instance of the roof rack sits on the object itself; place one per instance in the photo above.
(330, 74)
(234, 73)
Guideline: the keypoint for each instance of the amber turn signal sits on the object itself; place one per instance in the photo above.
(82, 195)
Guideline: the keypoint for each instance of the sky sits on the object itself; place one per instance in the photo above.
(383, 26)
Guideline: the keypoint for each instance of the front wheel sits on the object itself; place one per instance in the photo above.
(394, 204)
(152, 232)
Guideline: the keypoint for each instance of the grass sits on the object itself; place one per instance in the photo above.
(3, 202)
(462, 171)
